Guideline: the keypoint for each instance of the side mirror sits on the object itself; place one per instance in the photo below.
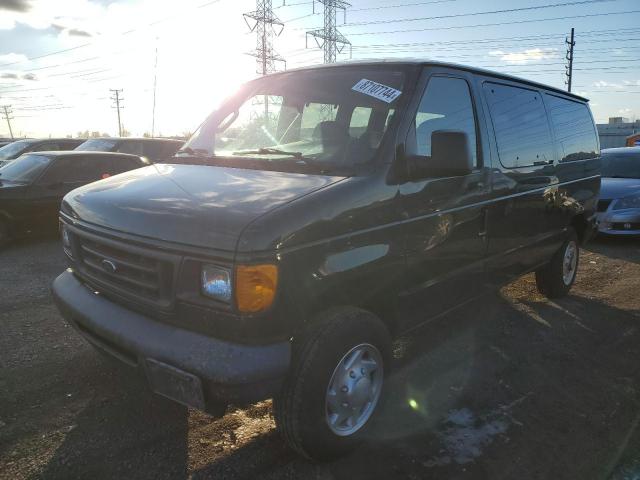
(450, 157)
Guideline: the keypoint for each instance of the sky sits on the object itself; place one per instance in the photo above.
(59, 60)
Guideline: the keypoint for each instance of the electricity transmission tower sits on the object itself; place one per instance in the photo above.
(569, 67)
(8, 117)
(329, 38)
(264, 22)
(118, 99)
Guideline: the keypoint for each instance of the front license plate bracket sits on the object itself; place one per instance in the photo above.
(175, 384)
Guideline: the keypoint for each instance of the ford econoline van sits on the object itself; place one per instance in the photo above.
(314, 217)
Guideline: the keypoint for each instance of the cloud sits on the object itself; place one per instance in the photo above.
(15, 5)
(76, 32)
(625, 111)
(69, 16)
(525, 56)
(604, 84)
(632, 83)
(12, 58)
(16, 76)
(72, 32)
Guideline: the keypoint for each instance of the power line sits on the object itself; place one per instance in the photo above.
(473, 14)
(514, 22)
(399, 5)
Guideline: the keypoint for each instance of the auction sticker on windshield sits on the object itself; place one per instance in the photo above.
(376, 90)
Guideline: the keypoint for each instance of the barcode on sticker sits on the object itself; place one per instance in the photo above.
(376, 90)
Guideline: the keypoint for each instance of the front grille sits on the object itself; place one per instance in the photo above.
(603, 205)
(131, 272)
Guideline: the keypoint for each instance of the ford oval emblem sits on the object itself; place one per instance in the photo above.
(108, 266)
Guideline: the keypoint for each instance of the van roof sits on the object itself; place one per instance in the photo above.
(425, 62)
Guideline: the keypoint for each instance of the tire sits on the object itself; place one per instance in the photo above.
(556, 278)
(303, 409)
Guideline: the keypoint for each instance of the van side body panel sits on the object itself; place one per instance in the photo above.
(533, 206)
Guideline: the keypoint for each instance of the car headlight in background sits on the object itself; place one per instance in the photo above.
(627, 202)
(216, 283)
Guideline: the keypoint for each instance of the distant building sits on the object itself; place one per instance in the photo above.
(617, 132)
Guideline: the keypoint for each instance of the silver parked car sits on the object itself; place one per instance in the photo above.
(619, 205)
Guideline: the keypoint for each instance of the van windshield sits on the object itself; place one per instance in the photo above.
(328, 118)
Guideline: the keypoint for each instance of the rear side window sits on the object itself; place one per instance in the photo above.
(520, 124)
(76, 170)
(46, 147)
(133, 147)
(445, 105)
(573, 126)
(121, 165)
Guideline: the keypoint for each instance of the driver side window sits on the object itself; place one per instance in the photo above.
(445, 105)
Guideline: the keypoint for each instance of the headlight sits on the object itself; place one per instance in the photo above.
(216, 283)
(66, 240)
(627, 202)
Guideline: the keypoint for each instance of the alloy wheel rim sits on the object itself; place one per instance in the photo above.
(354, 389)
(569, 262)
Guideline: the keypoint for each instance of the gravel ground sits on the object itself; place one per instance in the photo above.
(511, 386)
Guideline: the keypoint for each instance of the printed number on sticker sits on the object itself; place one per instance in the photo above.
(376, 90)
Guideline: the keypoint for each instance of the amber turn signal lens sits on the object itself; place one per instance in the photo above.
(255, 287)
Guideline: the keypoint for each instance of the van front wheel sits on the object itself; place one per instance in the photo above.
(556, 278)
(332, 391)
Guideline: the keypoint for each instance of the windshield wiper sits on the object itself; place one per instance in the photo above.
(270, 151)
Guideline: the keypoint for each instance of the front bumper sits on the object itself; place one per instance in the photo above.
(188, 367)
(619, 222)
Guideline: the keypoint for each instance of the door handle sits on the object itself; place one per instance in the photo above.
(485, 222)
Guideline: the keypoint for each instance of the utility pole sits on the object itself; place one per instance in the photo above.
(117, 98)
(155, 80)
(263, 21)
(569, 68)
(329, 38)
(8, 118)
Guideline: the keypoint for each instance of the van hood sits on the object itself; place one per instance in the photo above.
(197, 205)
(612, 188)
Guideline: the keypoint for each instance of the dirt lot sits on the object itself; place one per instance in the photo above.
(512, 386)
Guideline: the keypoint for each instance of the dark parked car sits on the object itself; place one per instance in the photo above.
(154, 149)
(32, 186)
(290, 241)
(13, 150)
(619, 205)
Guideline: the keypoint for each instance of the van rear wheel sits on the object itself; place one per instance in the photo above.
(336, 380)
(556, 278)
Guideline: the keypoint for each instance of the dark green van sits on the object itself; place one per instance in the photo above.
(315, 216)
